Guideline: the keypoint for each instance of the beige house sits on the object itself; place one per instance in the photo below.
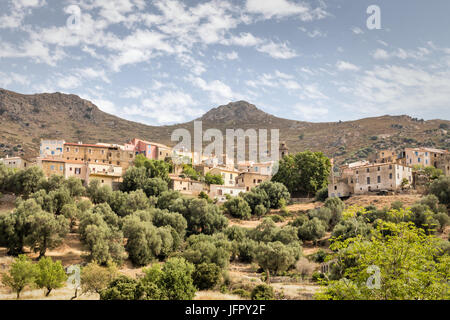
(53, 166)
(423, 156)
(187, 186)
(16, 162)
(229, 176)
(367, 178)
(219, 192)
(249, 180)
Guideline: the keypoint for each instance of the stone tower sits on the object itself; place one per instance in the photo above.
(284, 150)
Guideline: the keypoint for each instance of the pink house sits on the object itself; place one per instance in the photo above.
(150, 150)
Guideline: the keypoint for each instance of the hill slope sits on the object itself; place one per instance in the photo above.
(25, 119)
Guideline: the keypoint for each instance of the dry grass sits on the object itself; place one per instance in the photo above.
(214, 295)
(382, 201)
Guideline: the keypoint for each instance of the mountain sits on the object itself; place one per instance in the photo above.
(25, 119)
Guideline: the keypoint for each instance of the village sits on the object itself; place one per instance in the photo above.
(385, 172)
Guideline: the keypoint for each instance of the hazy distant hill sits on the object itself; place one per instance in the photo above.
(25, 119)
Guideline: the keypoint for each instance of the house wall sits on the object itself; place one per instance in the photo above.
(229, 177)
(219, 192)
(250, 180)
(380, 177)
(53, 167)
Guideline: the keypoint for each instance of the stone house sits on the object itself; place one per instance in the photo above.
(249, 180)
(220, 192)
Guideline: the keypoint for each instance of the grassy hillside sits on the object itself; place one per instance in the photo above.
(25, 119)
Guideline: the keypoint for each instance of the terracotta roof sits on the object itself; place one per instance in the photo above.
(85, 145)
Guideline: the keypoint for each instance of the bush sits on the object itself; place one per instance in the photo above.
(304, 267)
(441, 189)
(311, 230)
(206, 276)
(277, 193)
(247, 250)
(121, 288)
(336, 206)
(350, 228)
(242, 293)
(276, 218)
(322, 194)
(238, 208)
(276, 257)
(262, 292)
(95, 278)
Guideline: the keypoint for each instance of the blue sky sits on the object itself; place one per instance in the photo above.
(168, 61)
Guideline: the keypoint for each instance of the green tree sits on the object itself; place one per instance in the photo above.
(409, 263)
(47, 231)
(311, 230)
(155, 187)
(176, 280)
(20, 275)
(96, 278)
(238, 208)
(50, 275)
(304, 173)
(28, 181)
(213, 179)
(97, 193)
(16, 226)
(71, 212)
(277, 193)
(441, 189)
(276, 257)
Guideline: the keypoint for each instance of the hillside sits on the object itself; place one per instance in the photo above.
(25, 119)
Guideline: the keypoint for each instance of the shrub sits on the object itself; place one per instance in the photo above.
(238, 208)
(276, 218)
(304, 267)
(95, 278)
(350, 228)
(262, 292)
(206, 276)
(242, 293)
(121, 288)
(441, 189)
(277, 193)
(311, 230)
(322, 194)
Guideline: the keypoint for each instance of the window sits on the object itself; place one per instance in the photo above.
(90, 151)
(356, 171)
(379, 168)
(77, 170)
(390, 175)
(52, 167)
(61, 168)
(367, 170)
(335, 187)
(379, 179)
(368, 180)
(390, 166)
(76, 150)
(418, 159)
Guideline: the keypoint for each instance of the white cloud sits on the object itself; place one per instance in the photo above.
(166, 107)
(346, 66)
(219, 92)
(284, 8)
(277, 50)
(132, 92)
(68, 82)
(227, 55)
(418, 54)
(309, 112)
(357, 30)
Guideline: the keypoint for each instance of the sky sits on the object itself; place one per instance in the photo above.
(169, 61)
